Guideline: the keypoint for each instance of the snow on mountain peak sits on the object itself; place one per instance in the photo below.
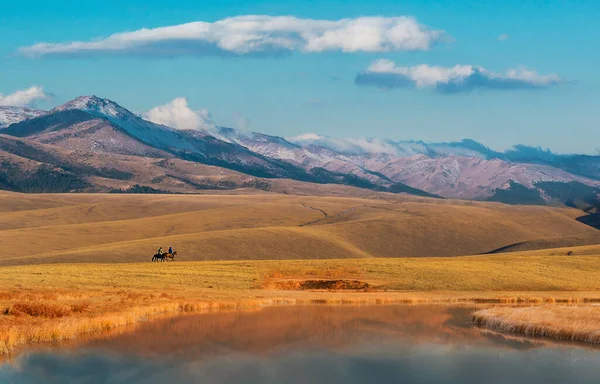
(156, 135)
(12, 115)
(95, 106)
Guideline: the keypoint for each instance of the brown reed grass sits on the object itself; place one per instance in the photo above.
(562, 322)
(38, 309)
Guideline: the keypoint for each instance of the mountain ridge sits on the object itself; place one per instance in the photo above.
(76, 125)
(92, 126)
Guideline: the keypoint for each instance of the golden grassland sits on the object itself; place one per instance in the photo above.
(53, 302)
(100, 228)
(570, 323)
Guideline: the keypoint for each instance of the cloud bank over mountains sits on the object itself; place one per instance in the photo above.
(460, 78)
(24, 97)
(256, 35)
(350, 145)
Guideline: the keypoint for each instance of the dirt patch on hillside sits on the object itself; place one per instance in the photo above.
(329, 285)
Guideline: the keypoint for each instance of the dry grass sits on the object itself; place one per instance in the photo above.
(23, 322)
(572, 323)
(20, 330)
(117, 228)
(38, 309)
(506, 272)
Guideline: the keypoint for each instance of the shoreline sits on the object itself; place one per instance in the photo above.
(26, 330)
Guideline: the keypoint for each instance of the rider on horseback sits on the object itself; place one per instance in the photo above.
(160, 251)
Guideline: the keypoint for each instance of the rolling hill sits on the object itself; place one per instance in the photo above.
(129, 228)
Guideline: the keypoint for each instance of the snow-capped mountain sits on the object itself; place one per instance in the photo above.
(91, 124)
(308, 158)
(386, 150)
(469, 177)
(466, 169)
(12, 115)
(99, 132)
(152, 134)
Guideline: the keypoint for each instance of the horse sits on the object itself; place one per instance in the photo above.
(170, 256)
(158, 257)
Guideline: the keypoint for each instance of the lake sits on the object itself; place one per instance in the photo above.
(310, 344)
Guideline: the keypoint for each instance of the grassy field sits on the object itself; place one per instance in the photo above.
(129, 228)
(545, 271)
(76, 264)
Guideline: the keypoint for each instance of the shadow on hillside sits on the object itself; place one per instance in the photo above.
(593, 220)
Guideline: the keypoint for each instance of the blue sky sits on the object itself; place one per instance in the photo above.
(304, 90)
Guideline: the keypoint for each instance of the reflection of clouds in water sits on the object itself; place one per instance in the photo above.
(397, 363)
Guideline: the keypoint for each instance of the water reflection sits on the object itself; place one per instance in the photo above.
(318, 344)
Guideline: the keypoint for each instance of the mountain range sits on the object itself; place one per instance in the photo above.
(94, 144)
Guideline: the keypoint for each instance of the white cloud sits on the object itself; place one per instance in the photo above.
(177, 114)
(24, 97)
(306, 138)
(241, 122)
(460, 78)
(259, 35)
(503, 37)
(348, 145)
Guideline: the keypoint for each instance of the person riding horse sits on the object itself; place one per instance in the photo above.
(162, 256)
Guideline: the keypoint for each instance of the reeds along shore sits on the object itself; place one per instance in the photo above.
(43, 322)
(33, 319)
(573, 323)
(35, 322)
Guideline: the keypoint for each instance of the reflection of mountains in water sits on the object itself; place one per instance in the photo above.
(270, 330)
